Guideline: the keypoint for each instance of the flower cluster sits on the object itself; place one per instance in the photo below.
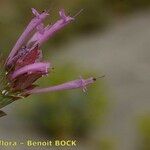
(25, 63)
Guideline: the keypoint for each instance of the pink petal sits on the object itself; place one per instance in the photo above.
(50, 31)
(80, 83)
(31, 26)
(42, 67)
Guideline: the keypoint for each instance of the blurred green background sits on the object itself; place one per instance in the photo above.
(99, 13)
(104, 39)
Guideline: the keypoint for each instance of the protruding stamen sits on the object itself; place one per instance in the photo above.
(78, 13)
(98, 77)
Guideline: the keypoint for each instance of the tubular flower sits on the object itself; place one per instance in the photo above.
(25, 64)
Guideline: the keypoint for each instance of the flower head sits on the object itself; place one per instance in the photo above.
(25, 63)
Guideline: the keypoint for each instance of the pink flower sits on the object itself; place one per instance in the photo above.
(25, 64)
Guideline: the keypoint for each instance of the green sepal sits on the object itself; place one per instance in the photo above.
(2, 113)
(4, 101)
